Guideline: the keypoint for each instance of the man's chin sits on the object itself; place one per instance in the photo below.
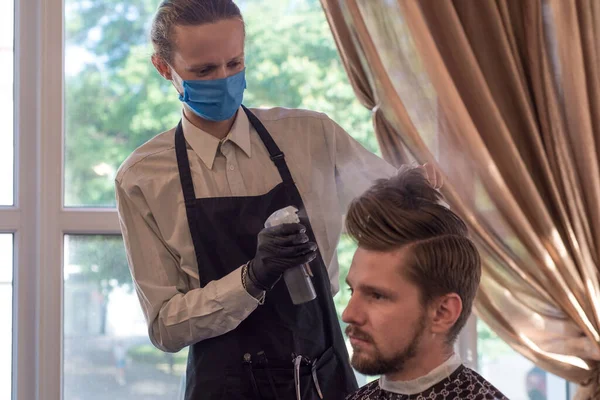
(365, 365)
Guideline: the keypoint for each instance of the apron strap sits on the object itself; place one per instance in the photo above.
(183, 163)
(276, 154)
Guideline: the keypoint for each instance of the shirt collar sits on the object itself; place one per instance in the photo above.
(422, 383)
(206, 145)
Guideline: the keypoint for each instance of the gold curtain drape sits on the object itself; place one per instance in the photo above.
(503, 96)
(358, 74)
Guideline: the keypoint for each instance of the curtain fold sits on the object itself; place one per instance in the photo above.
(358, 73)
(503, 96)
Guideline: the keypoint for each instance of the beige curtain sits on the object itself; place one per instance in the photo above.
(503, 95)
(389, 140)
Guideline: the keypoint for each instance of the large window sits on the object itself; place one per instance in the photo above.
(77, 325)
(114, 102)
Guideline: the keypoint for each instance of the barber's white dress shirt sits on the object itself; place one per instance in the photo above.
(329, 167)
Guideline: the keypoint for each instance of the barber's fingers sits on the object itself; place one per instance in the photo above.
(284, 235)
(285, 241)
(285, 229)
(434, 176)
(302, 259)
(292, 251)
(300, 238)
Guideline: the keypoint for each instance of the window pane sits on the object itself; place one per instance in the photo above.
(107, 353)
(114, 99)
(6, 300)
(513, 374)
(295, 63)
(6, 102)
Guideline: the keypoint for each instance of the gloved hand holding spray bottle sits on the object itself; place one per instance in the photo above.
(297, 279)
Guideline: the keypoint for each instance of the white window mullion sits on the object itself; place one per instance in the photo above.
(90, 221)
(9, 219)
(50, 151)
(23, 219)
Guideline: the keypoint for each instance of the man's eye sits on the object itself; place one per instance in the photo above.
(377, 296)
(204, 71)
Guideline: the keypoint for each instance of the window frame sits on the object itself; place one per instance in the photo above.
(39, 220)
(21, 218)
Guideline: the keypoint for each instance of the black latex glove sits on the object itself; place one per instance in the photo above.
(279, 248)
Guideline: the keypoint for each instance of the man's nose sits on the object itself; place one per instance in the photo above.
(352, 313)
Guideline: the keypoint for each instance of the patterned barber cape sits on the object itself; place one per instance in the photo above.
(463, 383)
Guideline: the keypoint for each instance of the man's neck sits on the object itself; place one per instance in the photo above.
(421, 365)
(218, 129)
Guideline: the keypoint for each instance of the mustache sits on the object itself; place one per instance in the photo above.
(357, 333)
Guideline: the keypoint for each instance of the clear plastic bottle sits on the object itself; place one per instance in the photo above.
(297, 279)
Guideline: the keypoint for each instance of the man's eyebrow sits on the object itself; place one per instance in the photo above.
(211, 65)
(371, 289)
(200, 66)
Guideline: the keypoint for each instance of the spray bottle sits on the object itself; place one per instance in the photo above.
(297, 279)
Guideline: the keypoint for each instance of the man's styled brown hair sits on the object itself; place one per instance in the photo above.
(404, 211)
(187, 13)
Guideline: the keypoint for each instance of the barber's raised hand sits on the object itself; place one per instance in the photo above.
(279, 248)
(435, 177)
(431, 173)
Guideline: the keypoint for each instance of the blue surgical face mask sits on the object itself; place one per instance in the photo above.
(216, 99)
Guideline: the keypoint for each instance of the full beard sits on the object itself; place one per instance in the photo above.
(380, 364)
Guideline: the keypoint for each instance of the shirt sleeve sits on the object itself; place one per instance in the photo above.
(356, 168)
(176, 316)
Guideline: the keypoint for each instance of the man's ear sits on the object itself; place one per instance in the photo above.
(445, 312)
(162, 67)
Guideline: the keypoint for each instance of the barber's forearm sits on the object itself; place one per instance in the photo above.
(177, 316)
(201, 314)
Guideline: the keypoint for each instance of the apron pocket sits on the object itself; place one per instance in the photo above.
(329, 376)
(327, 370)
(241, 385)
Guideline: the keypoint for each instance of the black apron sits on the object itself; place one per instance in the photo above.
(260, 358)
